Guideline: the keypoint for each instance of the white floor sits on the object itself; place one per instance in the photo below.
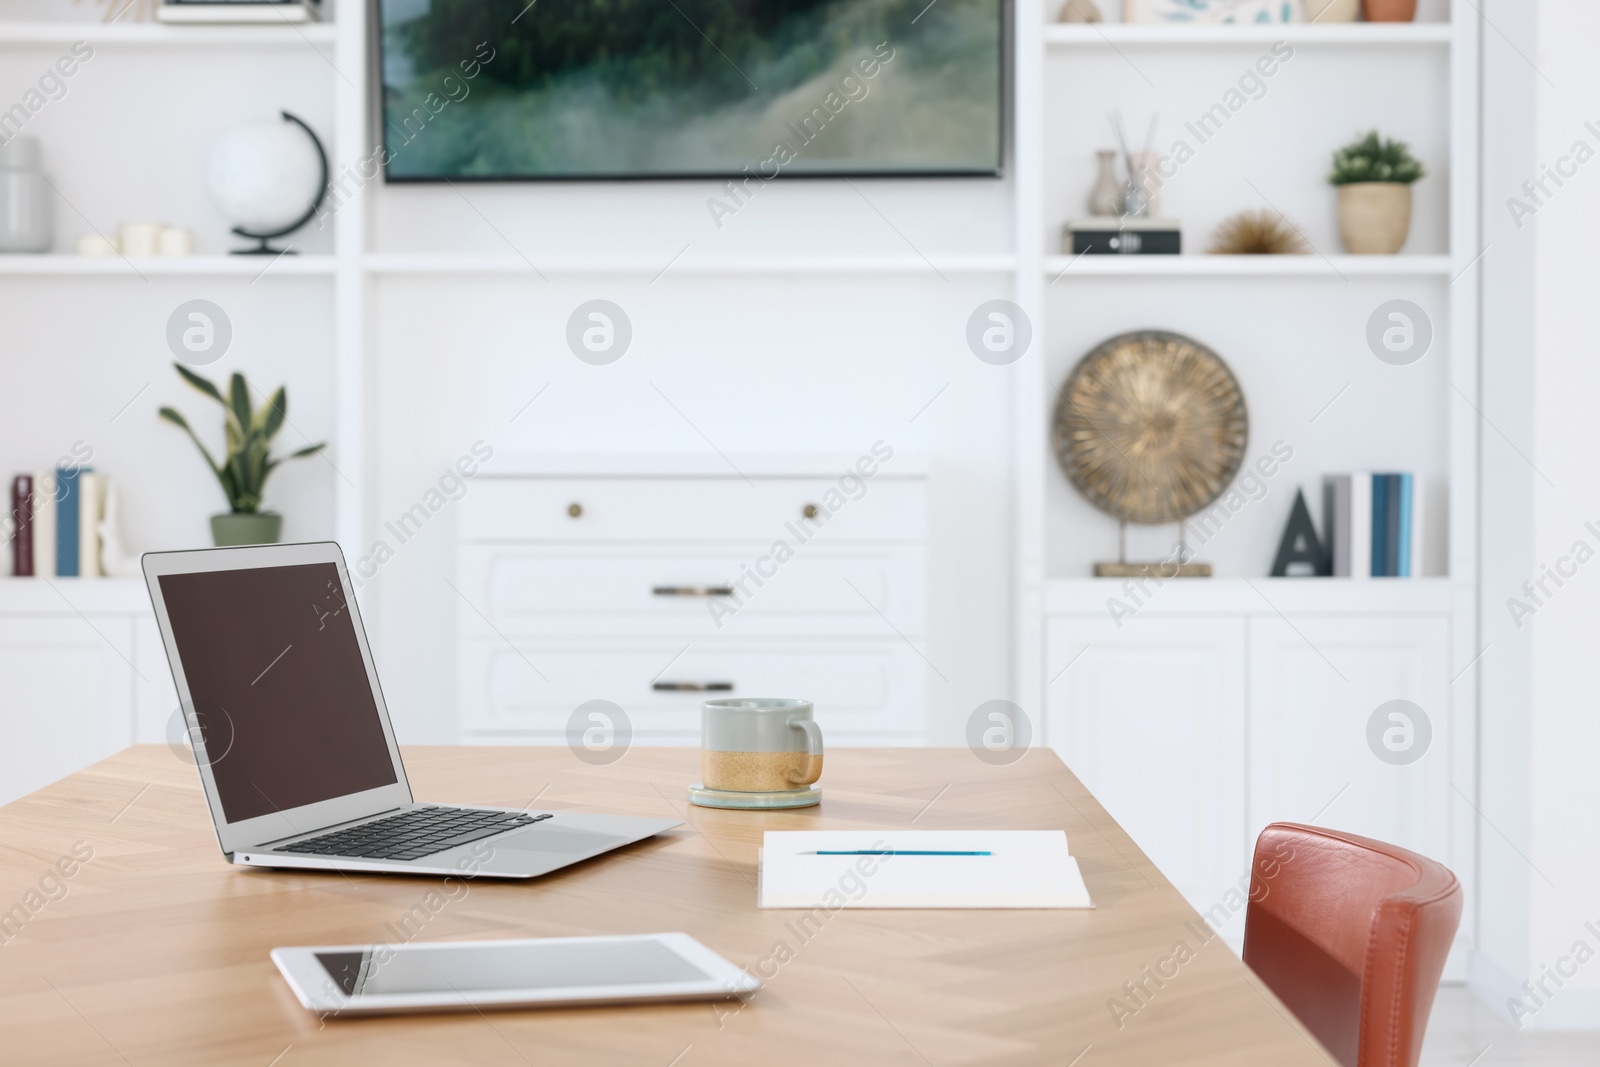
(1465, 1032)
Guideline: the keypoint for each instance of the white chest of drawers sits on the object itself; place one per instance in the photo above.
(655, 589)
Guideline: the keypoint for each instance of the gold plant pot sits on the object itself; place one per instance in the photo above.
(1328, 12)
(1374, 217)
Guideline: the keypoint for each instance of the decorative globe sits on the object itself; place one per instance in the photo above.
(264, 175)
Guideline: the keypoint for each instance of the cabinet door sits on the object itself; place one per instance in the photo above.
(1316, 754)
(155, 697)
(68, 697)
(1151, 717)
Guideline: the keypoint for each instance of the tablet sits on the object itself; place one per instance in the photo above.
(536, 972)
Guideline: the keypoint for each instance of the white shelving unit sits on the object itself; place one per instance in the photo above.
(1237, 699)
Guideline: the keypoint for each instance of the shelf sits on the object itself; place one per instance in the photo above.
(250, 267)
(1257, 266)
(1262, 596)
(161, 35)
(1350, 33)
(421, 263)
(68, 596)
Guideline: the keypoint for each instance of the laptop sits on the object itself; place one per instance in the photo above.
(293, 741)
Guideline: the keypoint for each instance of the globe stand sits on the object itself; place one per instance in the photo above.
(265, 249)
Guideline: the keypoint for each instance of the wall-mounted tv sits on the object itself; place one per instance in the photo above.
(511, 90)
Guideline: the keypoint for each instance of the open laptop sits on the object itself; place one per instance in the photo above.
(293, 741)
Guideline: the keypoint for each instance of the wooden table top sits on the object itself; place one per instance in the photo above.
(154, 950)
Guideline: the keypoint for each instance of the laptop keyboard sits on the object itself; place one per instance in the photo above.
(412, 834)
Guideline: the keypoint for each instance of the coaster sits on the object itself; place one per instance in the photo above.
(778, 798)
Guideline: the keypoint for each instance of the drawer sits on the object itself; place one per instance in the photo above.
(859, 689)
(572, 590)
(763, 510)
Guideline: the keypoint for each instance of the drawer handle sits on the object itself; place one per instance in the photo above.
(693, 590)
(809, 511)
(693, 687)
(575, 510)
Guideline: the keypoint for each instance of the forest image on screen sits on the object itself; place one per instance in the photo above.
(504, 89)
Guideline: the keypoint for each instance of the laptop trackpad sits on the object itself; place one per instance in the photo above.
(564, 842)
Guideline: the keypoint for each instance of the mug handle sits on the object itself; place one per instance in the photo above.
(813, 734)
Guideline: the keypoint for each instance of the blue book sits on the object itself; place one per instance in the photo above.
(1407, 504)
(1391, 531)
(68, 496)
(1380, 525)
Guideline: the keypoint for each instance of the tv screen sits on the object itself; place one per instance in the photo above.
(502, 90)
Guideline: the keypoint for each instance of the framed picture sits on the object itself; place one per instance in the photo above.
(1217, 11)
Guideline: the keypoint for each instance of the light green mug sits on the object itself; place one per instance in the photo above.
(759, 745)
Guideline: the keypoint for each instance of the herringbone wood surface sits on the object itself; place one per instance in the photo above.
(157, 951)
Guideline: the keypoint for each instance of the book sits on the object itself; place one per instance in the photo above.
(1403, 542)
(1110, 235)
(235, 11)
(1417, 509)
(44, 524)
(1336, 521)
(1380, 525)
(934, 869)
(1361, 525)
(1391, 526)
(22, 525)
(91, 506)
(67, 521)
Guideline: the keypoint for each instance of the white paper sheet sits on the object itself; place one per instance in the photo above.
(1025, 869)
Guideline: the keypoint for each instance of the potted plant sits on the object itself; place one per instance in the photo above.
(1374, 178)
(248, 463)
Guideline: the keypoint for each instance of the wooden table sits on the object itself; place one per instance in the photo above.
(154, 951)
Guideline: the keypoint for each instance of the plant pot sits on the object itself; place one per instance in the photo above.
(1390, 10)
(1328, 12)
(1374, 217)
(259, 528)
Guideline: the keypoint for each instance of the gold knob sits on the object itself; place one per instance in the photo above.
(575, 510)
(809, 511)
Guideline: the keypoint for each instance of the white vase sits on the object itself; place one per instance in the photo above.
(27, 203)
(1109, 193)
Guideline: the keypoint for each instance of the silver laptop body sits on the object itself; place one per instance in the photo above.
(292, 738)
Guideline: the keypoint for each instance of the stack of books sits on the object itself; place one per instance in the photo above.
(1374, 524)
(237, 11)
(55, 523)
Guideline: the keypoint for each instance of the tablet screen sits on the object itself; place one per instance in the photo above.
(498, 966)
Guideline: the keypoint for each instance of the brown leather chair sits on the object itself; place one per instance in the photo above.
(1352, 935)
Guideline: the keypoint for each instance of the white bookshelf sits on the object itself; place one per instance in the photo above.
(1291, 327)
(1309, 265)
(1357, 34)
(426, 263)
(156, 35)
(248, 268)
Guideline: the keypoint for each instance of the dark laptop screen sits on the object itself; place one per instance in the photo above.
(278, 685)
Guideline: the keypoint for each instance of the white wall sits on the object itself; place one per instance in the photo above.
(760, 364)
(1539, 796)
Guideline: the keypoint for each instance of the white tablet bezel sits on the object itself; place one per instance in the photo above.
(317, 991)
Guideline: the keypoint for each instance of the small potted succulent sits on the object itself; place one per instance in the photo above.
(248, 462)
(1374, 178)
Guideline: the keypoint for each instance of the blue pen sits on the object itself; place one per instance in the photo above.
(895, 852)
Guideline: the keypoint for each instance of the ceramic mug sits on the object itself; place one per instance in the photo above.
(759, 745)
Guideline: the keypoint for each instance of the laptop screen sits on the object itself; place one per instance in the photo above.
(279, 686)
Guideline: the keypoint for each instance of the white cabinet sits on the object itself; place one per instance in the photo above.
(658, 591)
(1215, 708)
(69, 696)
(1152, 718)
(1315, 688)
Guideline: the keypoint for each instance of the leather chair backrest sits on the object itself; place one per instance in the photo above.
(1352, 935)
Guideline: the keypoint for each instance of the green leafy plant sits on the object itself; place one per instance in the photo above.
(1374, 159)
(249, 433)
